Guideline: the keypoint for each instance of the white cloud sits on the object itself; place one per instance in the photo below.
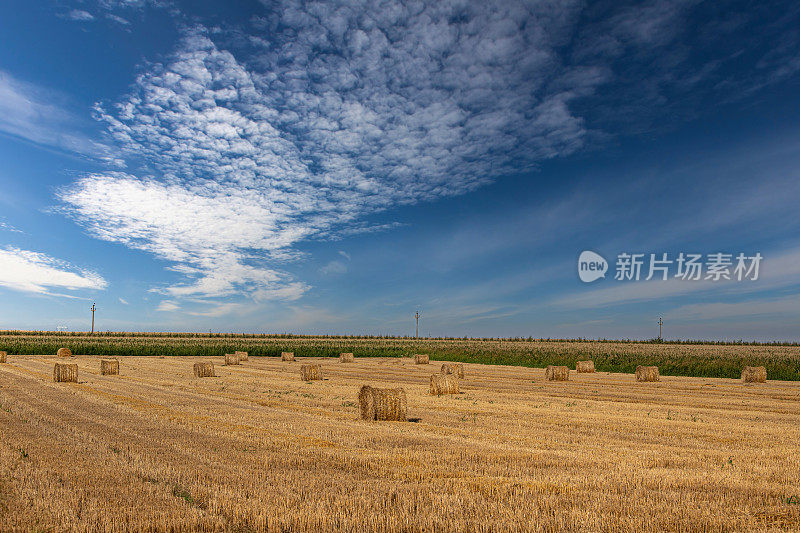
(336, 117)
(80, 15)
(123, 301)
(168, 306)
(344, 254)
(118, 19)
(32, 113)
(334, 267)
(221, 241)
(38, 273)
(8, 227)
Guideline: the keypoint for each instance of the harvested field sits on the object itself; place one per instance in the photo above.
(255, 449)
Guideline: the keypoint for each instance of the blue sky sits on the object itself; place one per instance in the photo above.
(333, 167)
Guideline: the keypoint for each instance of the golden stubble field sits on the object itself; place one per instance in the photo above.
(257, 449)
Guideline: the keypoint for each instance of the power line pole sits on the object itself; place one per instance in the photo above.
(93, 309)
(659, 328)
(416, 334)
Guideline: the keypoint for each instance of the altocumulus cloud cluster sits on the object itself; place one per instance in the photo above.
(245, 143)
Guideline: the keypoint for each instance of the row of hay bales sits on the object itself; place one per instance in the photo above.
(307, 372)
(750, 374)
(68, 372)
(381, 404)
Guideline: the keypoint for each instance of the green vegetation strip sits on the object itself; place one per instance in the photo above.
(727, 361)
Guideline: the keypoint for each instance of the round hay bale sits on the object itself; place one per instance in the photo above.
(453, 368)
(65, 373)
(444, 384)
(556, 373)
(64, 352)
(346, 358)
(287, 356)
(3, 356)
(310, 372)
(754, 374)
(204, 369)
(231, 359)
(382, 404)
(242, 356)
(584, 367)
(647, 373)
(109, 367)
(421, 359)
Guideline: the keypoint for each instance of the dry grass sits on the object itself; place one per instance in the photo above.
(231, 359)
(346, 358)
(443, 384)
(109, 367)
(65, 373)
(647, 373)
(310, 372)
(287, 356)
(754, 374)
(242, 355)
(421, 359)
(584, 367)
(204, 369)
(456, 369)
(556, 373)
(64, 352)
(255, 449)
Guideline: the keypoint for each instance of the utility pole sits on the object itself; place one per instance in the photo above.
(416, 334)
(659, 329)
(93, 309)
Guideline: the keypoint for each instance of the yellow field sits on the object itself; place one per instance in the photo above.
(257, 449)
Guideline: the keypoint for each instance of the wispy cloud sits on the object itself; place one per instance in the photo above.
(34, 272)
(32, 113)
(782, 307)
(168, 306)
(334, 267)
(79, 15)
(118, 19)
(8, 227)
